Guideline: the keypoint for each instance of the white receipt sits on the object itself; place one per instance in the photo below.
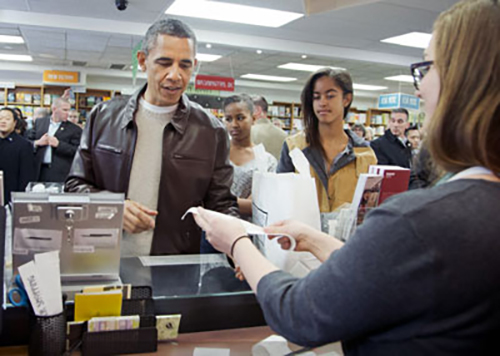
(47, 265)
(300, 162)
(31, 282)
(250, 228)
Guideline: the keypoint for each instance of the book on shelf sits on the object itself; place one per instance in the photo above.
(395, 180)
(19, 97)
(47, 100)
(2, 97)
(91, 100)
(28, 98)
(11, 97)
(281, 111)
(36, 99)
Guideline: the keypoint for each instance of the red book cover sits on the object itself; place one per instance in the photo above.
(396, 180)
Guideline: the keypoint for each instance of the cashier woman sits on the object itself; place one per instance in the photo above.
(421, 275)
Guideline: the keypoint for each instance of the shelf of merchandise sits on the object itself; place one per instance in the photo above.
(286, 113)
(84, 102)
(378, 119)
(29, 97)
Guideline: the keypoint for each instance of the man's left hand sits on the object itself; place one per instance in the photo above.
(53, 141)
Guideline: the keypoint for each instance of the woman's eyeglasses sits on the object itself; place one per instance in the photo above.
(419, 70)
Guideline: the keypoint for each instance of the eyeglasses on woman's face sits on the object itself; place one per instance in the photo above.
(419, 70)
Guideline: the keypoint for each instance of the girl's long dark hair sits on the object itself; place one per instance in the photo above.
(343, 79)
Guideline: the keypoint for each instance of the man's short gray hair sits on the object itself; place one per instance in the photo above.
(170, 27)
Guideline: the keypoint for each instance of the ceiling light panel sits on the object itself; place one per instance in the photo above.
(401, 78)
(203, 57)
(412, 39)
(305, 67)
(270, 78)
(243, 14)
(368, 87)
(11, 39)
(15, 57)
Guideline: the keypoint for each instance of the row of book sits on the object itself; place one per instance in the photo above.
(280, 110)
(92, 100)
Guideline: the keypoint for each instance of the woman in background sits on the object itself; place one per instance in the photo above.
(244, 156)
(336, 156)
(17, 160)
(421, 275)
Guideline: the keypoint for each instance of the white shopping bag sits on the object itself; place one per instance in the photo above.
(284, 196)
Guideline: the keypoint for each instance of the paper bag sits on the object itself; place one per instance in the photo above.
(284, 196)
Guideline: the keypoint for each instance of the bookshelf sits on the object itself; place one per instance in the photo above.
(28, 97)
(286, 113)
(378, 119)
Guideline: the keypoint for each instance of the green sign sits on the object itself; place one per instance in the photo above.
(191, 90)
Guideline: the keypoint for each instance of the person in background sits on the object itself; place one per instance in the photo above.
(421, 275)
(16, 155)
(21, 124)
(37, 114)
(393, 148)
(359, 130)
(74, 117)
(412, 133)
(245, 157)
(55, 141)
(164, 152)
(336, 156)
(369, 133)
(263, 131)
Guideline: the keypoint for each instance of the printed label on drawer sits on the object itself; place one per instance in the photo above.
(83, 249)
(29, 219)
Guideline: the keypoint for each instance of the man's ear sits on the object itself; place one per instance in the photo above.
(141, 59)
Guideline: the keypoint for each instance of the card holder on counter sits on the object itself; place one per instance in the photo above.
(143, 339)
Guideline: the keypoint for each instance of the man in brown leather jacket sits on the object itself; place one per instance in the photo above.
(163, 151)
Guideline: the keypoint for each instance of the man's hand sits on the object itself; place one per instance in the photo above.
(137, 218)
(53, 141)
(42, 141)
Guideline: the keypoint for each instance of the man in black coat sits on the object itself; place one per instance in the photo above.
(393, 148)
(55, 141)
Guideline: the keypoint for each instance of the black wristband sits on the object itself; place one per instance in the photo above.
(234, 243)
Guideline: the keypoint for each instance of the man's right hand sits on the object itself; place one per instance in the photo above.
(137, 218)
(42, 141)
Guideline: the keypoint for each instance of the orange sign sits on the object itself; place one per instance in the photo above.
(60, 76)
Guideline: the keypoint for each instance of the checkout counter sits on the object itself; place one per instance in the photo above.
(202, 288)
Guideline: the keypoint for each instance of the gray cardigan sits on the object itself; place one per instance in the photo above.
(421, 276)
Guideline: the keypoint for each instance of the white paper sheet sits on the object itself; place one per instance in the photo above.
(250, 228)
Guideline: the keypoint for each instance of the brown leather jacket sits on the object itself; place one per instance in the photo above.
(195, 168)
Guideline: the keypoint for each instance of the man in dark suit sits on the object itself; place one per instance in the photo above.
(55, 140)
(393, 148)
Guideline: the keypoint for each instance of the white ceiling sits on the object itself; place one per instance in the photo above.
(94, 35)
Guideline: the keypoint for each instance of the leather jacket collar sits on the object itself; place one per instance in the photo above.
(179, 121)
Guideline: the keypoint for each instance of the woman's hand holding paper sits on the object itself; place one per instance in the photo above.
(222, 230)
(308, 239)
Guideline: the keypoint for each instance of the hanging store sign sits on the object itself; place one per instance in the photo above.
(60, 77)
(210, 82)
(398, 100)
